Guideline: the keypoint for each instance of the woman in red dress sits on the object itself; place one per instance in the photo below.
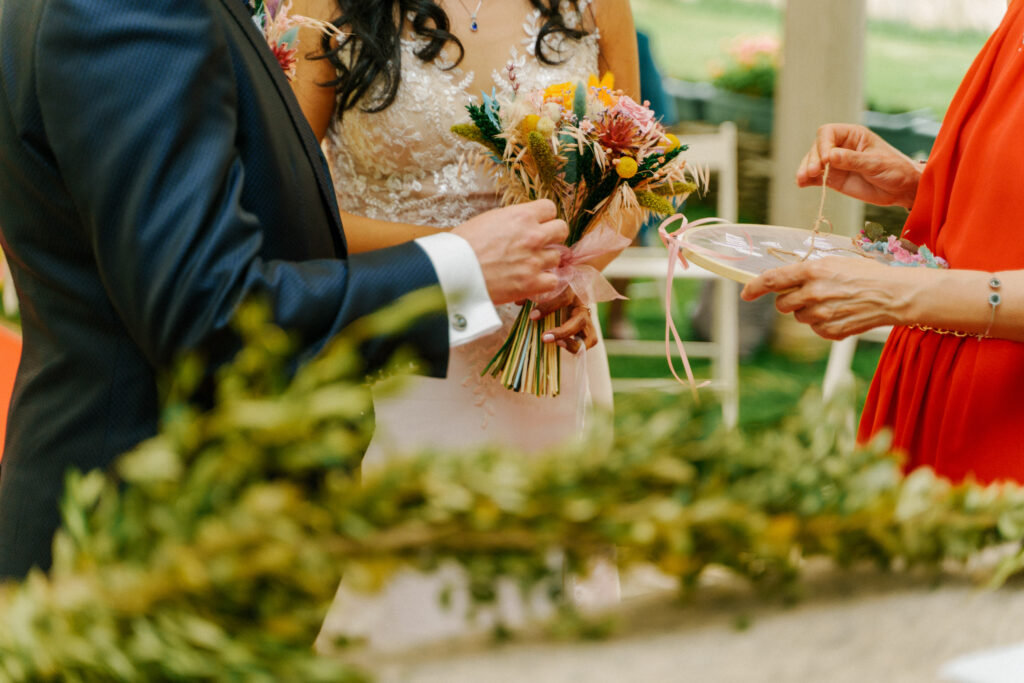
(950, 383)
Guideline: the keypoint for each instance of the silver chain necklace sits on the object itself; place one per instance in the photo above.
(474, 25)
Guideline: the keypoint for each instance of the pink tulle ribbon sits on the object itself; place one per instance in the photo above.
(590, 286)
(584, 399)
(587, 282)
(674, 242)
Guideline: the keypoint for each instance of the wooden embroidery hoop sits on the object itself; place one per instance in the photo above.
(741, 252)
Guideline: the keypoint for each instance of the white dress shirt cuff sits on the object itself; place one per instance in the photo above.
(471, 314)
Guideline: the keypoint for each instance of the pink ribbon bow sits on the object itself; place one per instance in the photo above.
(674, 242)
(587, 282)
(589, 286)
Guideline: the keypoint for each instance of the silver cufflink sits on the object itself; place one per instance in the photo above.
(459, 322)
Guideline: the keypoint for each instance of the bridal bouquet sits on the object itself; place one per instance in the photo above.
(280, 28)
(606, 162)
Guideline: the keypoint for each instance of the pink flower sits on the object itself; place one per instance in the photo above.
(748, 52)
(898, 251)
(640, 115)
(617, 133)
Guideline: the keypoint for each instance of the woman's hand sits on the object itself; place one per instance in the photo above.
(839, 297)
(862, 166)
(578, 327)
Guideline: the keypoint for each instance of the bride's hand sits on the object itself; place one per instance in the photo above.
(542, 309)
(577, 328)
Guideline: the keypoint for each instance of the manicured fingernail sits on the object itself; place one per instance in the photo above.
(535, 314)
(548, 338)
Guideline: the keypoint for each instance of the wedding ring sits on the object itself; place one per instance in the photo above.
(581, 344)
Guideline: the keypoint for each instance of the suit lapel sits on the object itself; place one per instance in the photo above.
(237, 10)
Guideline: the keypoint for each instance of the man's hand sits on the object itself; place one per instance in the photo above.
(863, 166)
(511, 245)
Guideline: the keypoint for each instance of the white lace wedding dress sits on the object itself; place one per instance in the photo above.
(403, 164)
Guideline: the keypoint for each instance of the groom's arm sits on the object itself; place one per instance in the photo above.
(139, 104)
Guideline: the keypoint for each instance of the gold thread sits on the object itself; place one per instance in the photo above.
(820, 221)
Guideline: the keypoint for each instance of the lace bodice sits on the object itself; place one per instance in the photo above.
(403, 164)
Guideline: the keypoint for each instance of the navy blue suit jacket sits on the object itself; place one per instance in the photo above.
(155, 172)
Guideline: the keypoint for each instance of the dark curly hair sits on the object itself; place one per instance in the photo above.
(372, 48)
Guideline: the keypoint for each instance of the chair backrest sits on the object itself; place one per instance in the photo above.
(717, 152)
(10, 356)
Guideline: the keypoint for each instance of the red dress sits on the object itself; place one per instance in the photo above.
(10, 356)
(957, 405)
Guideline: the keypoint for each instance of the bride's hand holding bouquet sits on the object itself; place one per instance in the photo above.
(606, 162)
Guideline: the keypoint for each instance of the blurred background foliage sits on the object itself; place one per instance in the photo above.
(907, 68)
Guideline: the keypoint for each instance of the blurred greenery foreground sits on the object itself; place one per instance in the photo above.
(213, 551)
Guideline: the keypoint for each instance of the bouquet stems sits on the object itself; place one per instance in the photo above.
(526, 364)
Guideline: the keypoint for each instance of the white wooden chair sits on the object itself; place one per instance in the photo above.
(716, 151)
(839, 370)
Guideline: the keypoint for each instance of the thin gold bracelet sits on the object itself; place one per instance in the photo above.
(938, 330)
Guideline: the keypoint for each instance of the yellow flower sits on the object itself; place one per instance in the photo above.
(545, 126)
(529, 123)
(626, 167)
(673, 141)
(470, 132)
(603, 88)
(655, 203)
(675, 189)
(540, 150)
(607, 81)
(563, 93)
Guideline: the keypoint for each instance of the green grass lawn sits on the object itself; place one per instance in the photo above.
(907, 69)
(771, 385)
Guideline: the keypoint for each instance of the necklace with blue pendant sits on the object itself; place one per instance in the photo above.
(474, 25)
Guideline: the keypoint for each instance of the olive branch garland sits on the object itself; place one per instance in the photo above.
(214, 550)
